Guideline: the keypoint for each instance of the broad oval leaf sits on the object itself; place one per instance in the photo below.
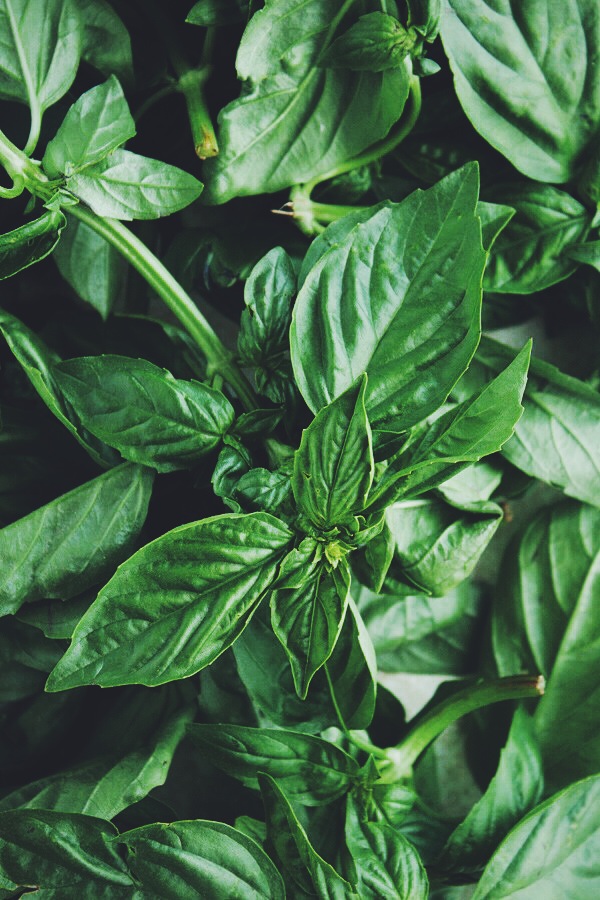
(106, 41)
(310, 770)
(30, 243)
(73, 542)
(143, 412)
(375, 43)
(526, 77)
(198, 858)
(360, 307)
(176, 604)
(552, 853)
(265, 321)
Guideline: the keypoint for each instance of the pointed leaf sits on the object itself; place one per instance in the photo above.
(106, 41)
(265, 321)
(30, 243)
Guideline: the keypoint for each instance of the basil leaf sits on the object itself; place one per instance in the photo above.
(412, 356)
(553, 850)
(546, 620)
(30, 243)
(56, 851)
(305, 873)
(515, 789)
(92, 266)
(424, 16)
(217, 12)
(296, 120)
(86, 533)
(260, 489)
(97, 123)
(26, 657)
(310, 770)
(40, 53)
(375, 43)
(143, 412)
(56, 619)
(106, 42)
(526, 79)
(308, 607)
(176, 604)
(588, 253)
(265, 321)
(352, 671)
(529, 254)
(557, 438)
(333, 468)
(200, 859)
(128, 186)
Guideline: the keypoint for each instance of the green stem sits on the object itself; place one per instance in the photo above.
(191, 85)
(18, 165)
(166, 91)
(483, 693)
(220, 360)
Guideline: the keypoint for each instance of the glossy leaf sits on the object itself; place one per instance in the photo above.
(588, 253)
(30, 243)
(310, 770)
(333, 468)
(96, 124)
(553, 852)
(296, 119)
(143, 412)
(352, 671)
(106, 42)
(265, 321)
(175, 605)
(529, 255)
(525, 76)
(74, 541)
(375, 43)
(340, 330)
(128, 186)
(201, 859)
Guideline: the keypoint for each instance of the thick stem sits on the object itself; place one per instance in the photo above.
(220, 360)
(19, 166)
(191, 86)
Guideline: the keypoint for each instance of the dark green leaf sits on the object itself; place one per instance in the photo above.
(218, 12)
(30, 243)
(143, 412)
(295, 119)
(201, 859)
(265, 321)
(428, 244)
(586, 253)
(128, 186)
(175, 605)
(26, 657)
(260, 489)
(333, 468)
(96, 124)
(525, 76)
(106, 42)
(553, 852)
(71, 543)
(56, 619)
(352, 672)
(375, 43)
(424, 16)
(310, 770)
(494, 218)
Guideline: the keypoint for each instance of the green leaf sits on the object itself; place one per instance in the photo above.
(143, 412)
(96, 124)
(217, 12)
(333, 468)
(308, 607)
(310, 770)
(201, 859)
(375, 43)
(424, 16)
(128, 186)
(60, 854)
(428, 244)
(588, 253)
(73, 542)
(106, 42)
(40, 53)
(553, 852)
(437, 545)
(26, 657)
(547, 620)
(386, 863)
(92, 266)
(56, 619)
(295, 119)
(30, 243)
(516, 788)
(352, 672)
(557, 438)
(265, 321)
(494, 218)
(529, 255)
(306, 874)
(525, 76)
(175, 605)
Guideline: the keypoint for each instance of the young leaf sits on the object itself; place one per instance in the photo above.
(143, 412)
(333, 468)
(525, 78)
(424, 17)
(310, 770)
(375, 43)
(73, 542)
(265, 321)
(106, 42)
(306, 874)
(296, 119)
(200, 859)
(552, 852)
(413, 354)
(176, 604)
(128, 186)
(96, 124)
(30, 243)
